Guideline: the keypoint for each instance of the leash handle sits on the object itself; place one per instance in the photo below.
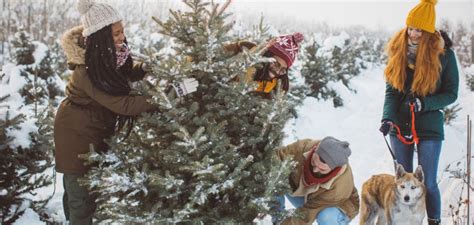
(415, 139)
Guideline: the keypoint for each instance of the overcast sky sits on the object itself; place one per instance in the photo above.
(389, 14)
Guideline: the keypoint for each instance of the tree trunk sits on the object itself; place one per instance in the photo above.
(44, 30)
(472, 42)
(8, 26)
(472, 36)
(28, 19)
(3, 33)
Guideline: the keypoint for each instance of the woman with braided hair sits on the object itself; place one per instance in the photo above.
(422, 78)
(98, 101)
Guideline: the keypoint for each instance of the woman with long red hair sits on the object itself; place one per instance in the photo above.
(422, 78)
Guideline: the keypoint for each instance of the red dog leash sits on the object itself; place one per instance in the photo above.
(413, 129)
(403, 139)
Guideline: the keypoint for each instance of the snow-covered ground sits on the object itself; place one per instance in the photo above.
(54, 208)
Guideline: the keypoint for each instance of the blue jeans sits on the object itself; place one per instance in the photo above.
(327, 216)
(428, 158)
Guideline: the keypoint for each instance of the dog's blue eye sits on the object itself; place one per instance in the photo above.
(413, 187)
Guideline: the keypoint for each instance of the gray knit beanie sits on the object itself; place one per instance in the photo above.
(334, 152)
(96, 16)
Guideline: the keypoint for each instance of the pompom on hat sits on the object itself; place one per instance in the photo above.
(423, 16)
(286, 47)
(96, 16)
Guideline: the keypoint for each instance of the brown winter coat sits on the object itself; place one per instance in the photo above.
(87, 115)
(338, 192)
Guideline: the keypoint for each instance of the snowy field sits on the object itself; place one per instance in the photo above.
(357, 122)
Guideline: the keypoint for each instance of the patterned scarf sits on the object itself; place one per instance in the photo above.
(122, 55)
(411, 54)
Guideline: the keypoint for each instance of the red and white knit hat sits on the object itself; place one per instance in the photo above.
(286, 47)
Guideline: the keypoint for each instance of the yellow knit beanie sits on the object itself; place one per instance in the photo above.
(423, 16)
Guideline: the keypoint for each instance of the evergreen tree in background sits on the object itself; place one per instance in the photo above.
(451, 113)
(45, 71)
(323, 66)
(461, 37)
(470, 77)
(205, 158)
(463, 40)
(345, 62)
(26, 126)
(41, 78)
(371, 49)
(24, 48)
(58, 58)
(317, 74)
(22, 169)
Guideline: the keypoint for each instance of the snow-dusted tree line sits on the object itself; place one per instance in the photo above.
(34, 72)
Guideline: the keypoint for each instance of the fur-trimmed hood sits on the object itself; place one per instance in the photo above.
(73, 45)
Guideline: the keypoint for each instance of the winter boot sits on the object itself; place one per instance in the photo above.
(434, 221)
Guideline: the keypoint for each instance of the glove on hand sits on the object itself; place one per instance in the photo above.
(188, 85)
(385, 127)
(146, 68)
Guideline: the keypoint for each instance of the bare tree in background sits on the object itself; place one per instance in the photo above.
(44, 30)
(4, 4)
(28, 19)
(6, 22)
(472, 33)
(472, 38)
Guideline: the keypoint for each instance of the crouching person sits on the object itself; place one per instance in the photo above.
(322, 182)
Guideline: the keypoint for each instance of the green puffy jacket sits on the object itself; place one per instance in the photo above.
(429, 121)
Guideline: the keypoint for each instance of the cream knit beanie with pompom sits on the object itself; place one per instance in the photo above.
(96, 16)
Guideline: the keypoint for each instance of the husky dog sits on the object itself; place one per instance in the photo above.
(394, 200)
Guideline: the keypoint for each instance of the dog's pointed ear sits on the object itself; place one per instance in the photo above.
(419, 174)
(400, 171)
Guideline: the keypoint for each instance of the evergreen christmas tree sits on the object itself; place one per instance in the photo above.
(25, 128)
(59, 62)
(469, 71)
(24, 49)
(325, 65)
(45, 71)
(461, 38)
(36, 67)
(22, 165)
(205, 158)
(345, 62)
(316, 72)
(451, 113)
(371, 49)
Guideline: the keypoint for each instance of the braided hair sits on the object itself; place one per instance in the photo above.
(101, 68)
